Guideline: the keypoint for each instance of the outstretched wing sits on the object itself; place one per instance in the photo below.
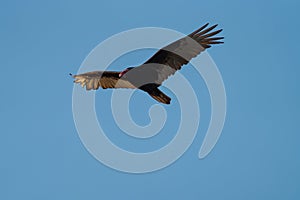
(105, 79)
(180, 52)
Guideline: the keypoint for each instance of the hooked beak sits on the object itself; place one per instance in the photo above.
(121, 74)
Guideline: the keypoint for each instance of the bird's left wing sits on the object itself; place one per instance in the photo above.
(105, 79)
(172, 57)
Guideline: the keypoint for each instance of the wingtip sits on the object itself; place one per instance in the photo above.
(199, 29)
(203, 27)
(73, 76)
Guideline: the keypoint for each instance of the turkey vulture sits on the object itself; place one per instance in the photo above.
(150, 75)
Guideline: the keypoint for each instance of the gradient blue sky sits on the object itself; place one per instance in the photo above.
(258, 154)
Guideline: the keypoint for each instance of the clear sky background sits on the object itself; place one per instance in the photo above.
(257, 156)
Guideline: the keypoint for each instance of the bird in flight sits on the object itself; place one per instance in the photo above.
(164, 63)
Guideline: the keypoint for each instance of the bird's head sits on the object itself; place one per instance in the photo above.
(125, 71)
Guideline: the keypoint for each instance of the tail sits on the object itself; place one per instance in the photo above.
(159, 96)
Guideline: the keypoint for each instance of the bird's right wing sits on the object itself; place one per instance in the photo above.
(105, 79)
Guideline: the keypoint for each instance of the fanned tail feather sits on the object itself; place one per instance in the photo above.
(160, 96)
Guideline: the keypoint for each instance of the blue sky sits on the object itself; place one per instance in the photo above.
(257, 156)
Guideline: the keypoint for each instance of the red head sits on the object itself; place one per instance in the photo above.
(125, 71)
